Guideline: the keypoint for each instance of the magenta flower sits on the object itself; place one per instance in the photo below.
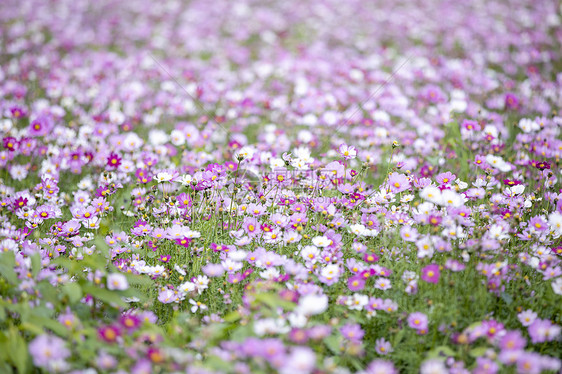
(356, 283)
(184, 200)
(511, 101)
(431, 273)
(40, 126)
(113, 160)
(109, 334)
(370, 258)
(130, 321)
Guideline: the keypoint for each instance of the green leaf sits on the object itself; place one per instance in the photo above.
(441, 351)
(73, 291)
(3, 347)
(507, 298)
(138, 280)
(7, 263)
(32, 328)
(398, 337)
(17, 350)
(232, 317)
(215, 363)
(333, 343)
(478, 351)
(50, 324)
(105, 295)
(274, 301)
(35, 264)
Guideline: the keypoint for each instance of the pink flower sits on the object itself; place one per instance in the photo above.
(431, 273)
(356, 283)
(398, 182)
(347, 152)
(418, 321)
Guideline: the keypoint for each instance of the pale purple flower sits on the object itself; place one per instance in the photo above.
(382, 347)
(383, 284)
(527, 317)
(418, 321)
(116, 281)
(47, 349)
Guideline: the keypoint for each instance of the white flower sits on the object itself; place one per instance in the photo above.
(357, 301)
(528, 125)
(407, 198)
(276, 163)
(301, 360)
(357, 229)
(116, 281)
(197, 305)
(557, 286)
(434, 366)
(462, 185)
(348, 152)
(432, 193)
(270, 326)
(6, 125)
(321, 241)
(18, 172)
(192, 234)
(179, 269)
(163, 176)
(310, 305)
(177, 137)
(297, 320)
(187, 287)
(270, 273)
(201, 283)
(246, 152)
(498, 163)
(498, 232)
(555, 222)
(308, 253)
(330, 271)
(451, 198)
(514, 190)
(186, 179)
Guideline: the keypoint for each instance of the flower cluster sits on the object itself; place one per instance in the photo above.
(288, 186)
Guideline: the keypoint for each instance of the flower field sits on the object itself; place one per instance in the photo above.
(295, 187)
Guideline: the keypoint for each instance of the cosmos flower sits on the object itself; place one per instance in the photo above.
(116, 281)
(109, 334)
(418, 321)
(431, 273)
(347, 152)
(46, 349)
(113, 160)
